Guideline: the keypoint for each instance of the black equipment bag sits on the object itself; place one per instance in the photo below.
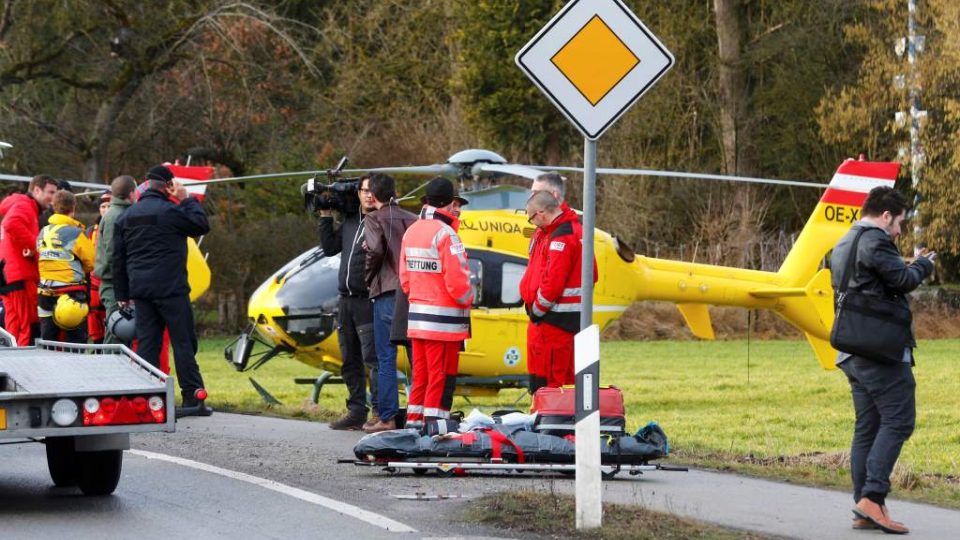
(869, 326)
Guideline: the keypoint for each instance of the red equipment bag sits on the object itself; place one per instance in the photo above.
(556, 410)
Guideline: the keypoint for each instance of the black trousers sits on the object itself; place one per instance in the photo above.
(355, 332)
(885, 404)
(49, 329)
(176, 314)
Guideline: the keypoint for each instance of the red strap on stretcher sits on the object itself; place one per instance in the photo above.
(497, 439)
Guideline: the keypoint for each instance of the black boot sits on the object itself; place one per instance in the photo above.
(352, 421)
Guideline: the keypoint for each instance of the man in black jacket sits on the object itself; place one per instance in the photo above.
(883, 394)
(354, 310)
(150, 271)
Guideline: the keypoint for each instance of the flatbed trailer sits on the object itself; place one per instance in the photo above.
(82, 402)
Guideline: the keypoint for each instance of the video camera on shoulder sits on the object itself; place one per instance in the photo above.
(339, 194)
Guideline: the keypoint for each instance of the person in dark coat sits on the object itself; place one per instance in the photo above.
(354, 310)
(150, 271)
(883, 394)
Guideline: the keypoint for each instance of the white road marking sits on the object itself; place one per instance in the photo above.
(337, 506)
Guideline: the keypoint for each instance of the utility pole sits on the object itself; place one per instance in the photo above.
(912, 45)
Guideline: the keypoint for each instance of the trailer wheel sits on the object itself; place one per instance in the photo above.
(61, 461)
(99, 472)
(419, 471)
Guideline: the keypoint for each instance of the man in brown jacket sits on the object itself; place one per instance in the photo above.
(383, 233)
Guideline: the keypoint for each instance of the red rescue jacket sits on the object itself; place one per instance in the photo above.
(18, 237)
(550, 286)
(435, 276)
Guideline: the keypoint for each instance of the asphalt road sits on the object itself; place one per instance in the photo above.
(245, 476)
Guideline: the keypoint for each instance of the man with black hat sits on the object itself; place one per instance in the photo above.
(436, 278)
(149, 270)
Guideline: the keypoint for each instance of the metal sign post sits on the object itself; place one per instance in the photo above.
(593, 60)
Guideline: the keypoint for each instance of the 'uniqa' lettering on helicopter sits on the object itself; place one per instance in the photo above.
(492, 226)
(423, 265)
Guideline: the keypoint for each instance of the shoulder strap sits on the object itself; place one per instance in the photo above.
(851, 261)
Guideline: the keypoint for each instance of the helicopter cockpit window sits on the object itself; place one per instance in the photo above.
(476, 280)
(510, 283)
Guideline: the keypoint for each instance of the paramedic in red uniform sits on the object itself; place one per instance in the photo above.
(436, 278)
(550, 289)
(18, 245)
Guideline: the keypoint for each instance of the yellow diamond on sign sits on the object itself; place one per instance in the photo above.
(595, 60)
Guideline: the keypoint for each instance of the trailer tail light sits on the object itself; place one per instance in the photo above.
(111, 411)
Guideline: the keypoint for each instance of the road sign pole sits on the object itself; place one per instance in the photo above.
(587, 363)
(593, 60)
(589, 222)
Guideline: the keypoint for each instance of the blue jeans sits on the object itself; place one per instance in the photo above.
(388, 402)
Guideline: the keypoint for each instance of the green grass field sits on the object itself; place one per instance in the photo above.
(776, 415)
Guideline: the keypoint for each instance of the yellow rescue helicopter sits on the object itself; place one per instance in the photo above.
(294, 311)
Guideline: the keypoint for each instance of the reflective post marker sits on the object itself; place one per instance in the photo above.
(589, 488)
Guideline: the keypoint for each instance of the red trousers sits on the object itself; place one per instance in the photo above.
(164, 351)
(20, 312)
(550, 354)
(433, 362)
(96, 323)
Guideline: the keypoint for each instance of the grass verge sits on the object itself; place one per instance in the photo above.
(554, 515)
(763, 408)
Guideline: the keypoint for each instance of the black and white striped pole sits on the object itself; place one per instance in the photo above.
(586, 347)
(594, 59)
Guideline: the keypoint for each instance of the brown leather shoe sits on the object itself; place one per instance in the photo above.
(861, 524)
(374, 419)
(874, 513)
(381, 426)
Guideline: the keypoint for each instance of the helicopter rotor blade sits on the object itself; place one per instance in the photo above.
(522, 171)
(441, 169)
(694, 176)
(99, 188)
(254, 177)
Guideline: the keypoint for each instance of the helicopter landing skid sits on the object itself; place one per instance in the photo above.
(239, 351)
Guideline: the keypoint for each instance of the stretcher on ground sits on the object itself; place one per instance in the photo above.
(511, 449)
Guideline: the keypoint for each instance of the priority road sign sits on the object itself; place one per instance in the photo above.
(594, 60)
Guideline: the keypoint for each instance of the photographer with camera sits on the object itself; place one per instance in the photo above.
(354, 310)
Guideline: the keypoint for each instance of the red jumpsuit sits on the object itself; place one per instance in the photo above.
(550, 289)
(18, 245)
(96, 318)
(436, 278)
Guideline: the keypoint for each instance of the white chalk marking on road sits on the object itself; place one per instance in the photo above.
(337, 506)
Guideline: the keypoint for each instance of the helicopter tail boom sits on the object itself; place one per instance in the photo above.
(800, 292)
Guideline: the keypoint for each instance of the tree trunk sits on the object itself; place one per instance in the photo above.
(734, 89)
(95, 168)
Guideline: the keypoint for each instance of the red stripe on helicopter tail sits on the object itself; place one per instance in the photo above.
(854, 180)
(846, 198)
(185, 174)
(880, 170)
